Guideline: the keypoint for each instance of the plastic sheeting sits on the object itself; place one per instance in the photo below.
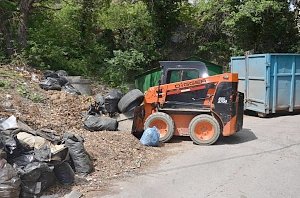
(150, 137)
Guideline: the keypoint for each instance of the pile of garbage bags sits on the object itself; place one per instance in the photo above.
(57, 81)
(101, 114)
(33, 160)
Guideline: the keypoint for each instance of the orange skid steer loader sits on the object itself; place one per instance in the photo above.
(188, 102)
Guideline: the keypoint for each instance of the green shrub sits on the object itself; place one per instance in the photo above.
(25, 92)
(123, 67)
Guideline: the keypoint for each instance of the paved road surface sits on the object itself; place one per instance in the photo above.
(261, 161)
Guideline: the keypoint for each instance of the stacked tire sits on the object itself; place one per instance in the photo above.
(130, 100)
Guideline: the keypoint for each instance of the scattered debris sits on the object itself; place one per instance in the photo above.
(50, 84)
(98, 107)
(73, 194)
(10, 123)
(57, 81)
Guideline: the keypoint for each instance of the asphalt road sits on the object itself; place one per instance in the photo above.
(262, 160)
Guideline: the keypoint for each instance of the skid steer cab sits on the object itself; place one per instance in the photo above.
(188, 102)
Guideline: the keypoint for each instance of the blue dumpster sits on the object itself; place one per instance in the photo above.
(270, 82)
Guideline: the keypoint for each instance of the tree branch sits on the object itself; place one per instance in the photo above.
(46, 7)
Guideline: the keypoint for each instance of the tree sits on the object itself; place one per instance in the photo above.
(164, 15)
(225, 28)
(263, 26)
(6, 14)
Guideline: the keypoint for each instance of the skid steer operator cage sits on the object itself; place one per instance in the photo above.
(175, 71)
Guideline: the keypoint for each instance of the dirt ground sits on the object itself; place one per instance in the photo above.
(114, 153)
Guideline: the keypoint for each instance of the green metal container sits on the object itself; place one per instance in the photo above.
(148, 79)
(151, 78)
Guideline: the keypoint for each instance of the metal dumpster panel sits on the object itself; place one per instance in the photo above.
(297, 93)
(255, 82)
(270, 82)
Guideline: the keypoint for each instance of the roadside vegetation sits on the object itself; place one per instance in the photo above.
(114, 40)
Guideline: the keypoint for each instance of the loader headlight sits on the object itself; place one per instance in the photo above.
(204, 75)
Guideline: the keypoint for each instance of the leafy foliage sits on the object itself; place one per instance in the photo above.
(131, 26)
(263, 25)
(123, 66)
(116, 40)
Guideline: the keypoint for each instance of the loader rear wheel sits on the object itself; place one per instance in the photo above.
(204, 130)
(164, 123)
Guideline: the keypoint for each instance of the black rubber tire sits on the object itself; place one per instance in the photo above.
(165, 118)
(214, 124)
(130, 100)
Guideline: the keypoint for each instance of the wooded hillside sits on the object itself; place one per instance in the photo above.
(114, 40)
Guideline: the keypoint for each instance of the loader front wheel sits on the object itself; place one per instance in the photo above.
(204, 130)
(164, 123)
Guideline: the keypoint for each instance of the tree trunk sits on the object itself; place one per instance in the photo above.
(25, 8)
(6, 34)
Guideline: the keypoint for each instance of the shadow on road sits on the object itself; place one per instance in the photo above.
(273, 115)
(178, 139)
(245, 135)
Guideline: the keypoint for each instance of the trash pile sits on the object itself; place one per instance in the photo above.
(57, 81)
(102, 113)
(33, 160)
(114, 155)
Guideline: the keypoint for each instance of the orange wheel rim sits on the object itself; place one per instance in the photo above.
(204, 130)
(161, 126)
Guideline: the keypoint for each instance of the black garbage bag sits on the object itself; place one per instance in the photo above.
(68, 88)
(95, 109)
(100, 100)
(3, 154)
(50, 135)
(23, 160)
(62, 80)
(96, 123)
(11, 145)
(35, 178)
(111, 101)
(43, 154)
(58, 75)
(50, 84)
(50, 73)
(9, 181)
(78, 154)
(61, 73)
(64, 173)
(98, 107)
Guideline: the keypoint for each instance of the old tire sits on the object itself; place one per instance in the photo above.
(130, 100)
(204, 130)
(164, 123)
